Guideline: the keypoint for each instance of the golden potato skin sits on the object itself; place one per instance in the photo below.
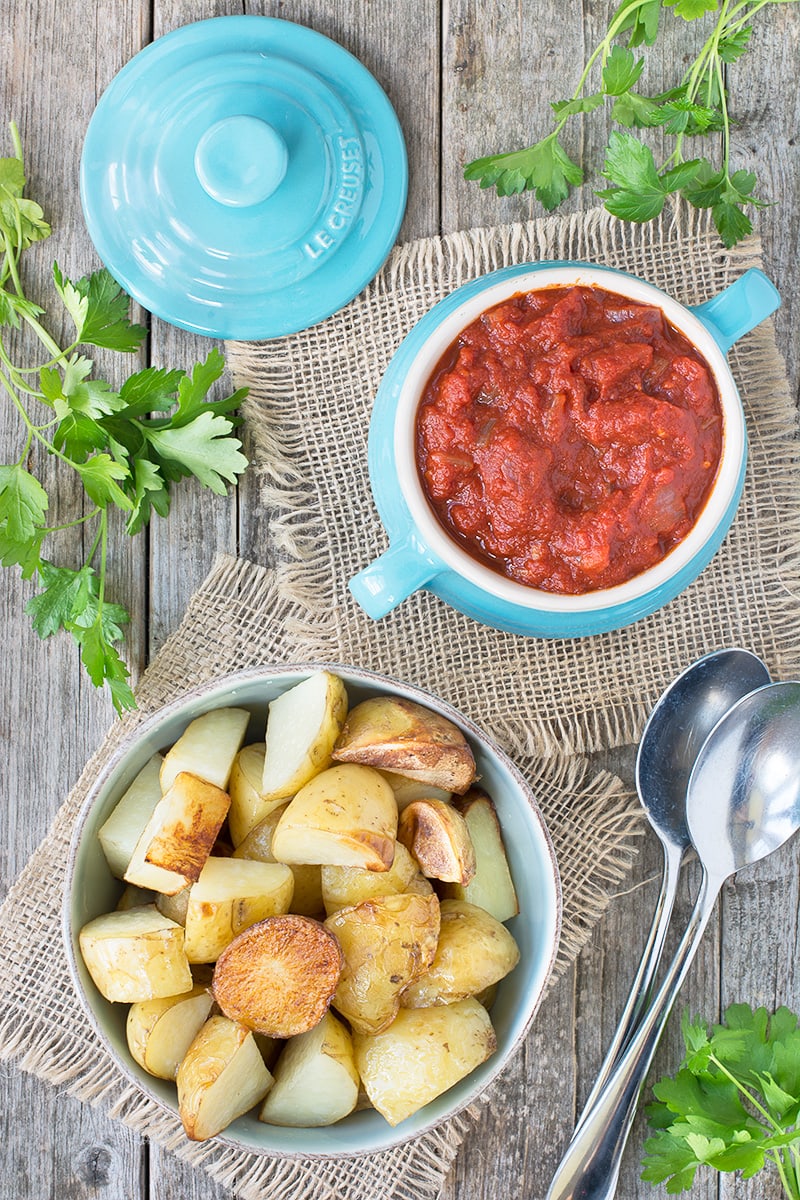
(491, 887)
(342, 887)
(474, 951)
(221, 1077)
(278, 977)
(438, 838)
(307, 899)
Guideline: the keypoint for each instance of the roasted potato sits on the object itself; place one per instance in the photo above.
(316, 1082)
(136, 954)
(491, 887)
(179, 836)
(345, 816)
(307, 898)
(207, 747)
(221, 1077)
(386, 943)
(439, 840)
(343, 887)
(174, 906)
(302, 726)
(278, 977)
(244, 788)
(406, 789)
(122, 830)
(396, 734)
(135, 897)
(474, 951)
(422, 1054)
(159, 1032)
(231, 895)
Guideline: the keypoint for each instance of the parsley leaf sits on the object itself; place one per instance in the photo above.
(64, 594)
(621, 71)
(545, 167)
(104, 665)
(99, 476)
(690, 10)
(23, 503)
(100, 311)
(639, 192)
(202, 448)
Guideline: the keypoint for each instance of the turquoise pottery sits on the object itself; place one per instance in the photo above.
(421, 555)
(91, 890)
(243, 177)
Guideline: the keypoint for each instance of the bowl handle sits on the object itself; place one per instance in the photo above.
(739, 308)
(399, 571)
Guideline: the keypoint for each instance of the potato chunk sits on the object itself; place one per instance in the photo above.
(302, 726)
(222, 1076)
(316, 1081)
(230, 895)
(387, 943)
(136, 954)
(422, 1054)
(343, 887)
(406, 789)
(439, 840)
(179, 836)
(491, 887)
(122, 830)
(400, 735)
(159, 1032)
(345, 816)
(474, 951)
(244, 787)
(207, 747)
(307, 898)
(279, 976)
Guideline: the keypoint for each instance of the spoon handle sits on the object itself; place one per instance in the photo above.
(642, 985)
(590, 1166)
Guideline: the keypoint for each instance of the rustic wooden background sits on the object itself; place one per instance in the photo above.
(467, 77)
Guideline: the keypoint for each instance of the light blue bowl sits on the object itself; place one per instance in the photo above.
(421, 555)
(91, 890)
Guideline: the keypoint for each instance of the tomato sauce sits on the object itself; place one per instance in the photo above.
(569, 438)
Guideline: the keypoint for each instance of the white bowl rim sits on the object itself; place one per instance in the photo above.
(725, 484)
(206, 690)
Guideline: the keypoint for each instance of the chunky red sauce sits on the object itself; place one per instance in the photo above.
(569, 438)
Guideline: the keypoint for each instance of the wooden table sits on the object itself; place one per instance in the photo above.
(466, 78)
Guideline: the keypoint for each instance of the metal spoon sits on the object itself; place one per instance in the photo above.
(743, 802)
(676, 729)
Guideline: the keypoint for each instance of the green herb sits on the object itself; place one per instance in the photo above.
(127, 446)
(734, 1103)
(696, 107)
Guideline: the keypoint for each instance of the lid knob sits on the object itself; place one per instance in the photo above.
(240, 160)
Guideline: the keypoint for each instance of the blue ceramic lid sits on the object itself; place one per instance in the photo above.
(243, 177)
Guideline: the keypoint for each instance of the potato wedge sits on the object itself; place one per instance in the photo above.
(491, 887)
(231, 895)
(134, 955)
(307, 898)
(122, 830)
(345, 816)
(221, 1077)
(179, 836)
(159, 1032)
(422, 1054)
(316, 1081)
(400, 735)
(302, 726)
(278, 977)
(474, 951)
(207, 747)
(387, 943)
(438, 838)
(406, 789)
(244, 787)
(342, 887)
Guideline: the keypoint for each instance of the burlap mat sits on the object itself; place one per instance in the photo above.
(548, 703)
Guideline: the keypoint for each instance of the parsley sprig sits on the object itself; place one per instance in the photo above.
(694, 108)
(734, 1103)
(126, 445)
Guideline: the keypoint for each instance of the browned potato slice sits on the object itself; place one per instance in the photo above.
(307, 898)
(399, 735)
(474, 951)
(244, 787)
(387, 943)
(159, 1032)
(406, 789)
(222, 1076)
(491, 887)
(343, 887)
(439, 840)
(135, 955)
(302, 726)
(278, 977)
(179, 836)
(316, 1082)
(422, 1054)
(345, 816)
(122, 830)
(207, 747)
(230, 895)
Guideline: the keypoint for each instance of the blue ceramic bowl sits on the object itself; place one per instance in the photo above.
(421, 555)
(91, 890)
